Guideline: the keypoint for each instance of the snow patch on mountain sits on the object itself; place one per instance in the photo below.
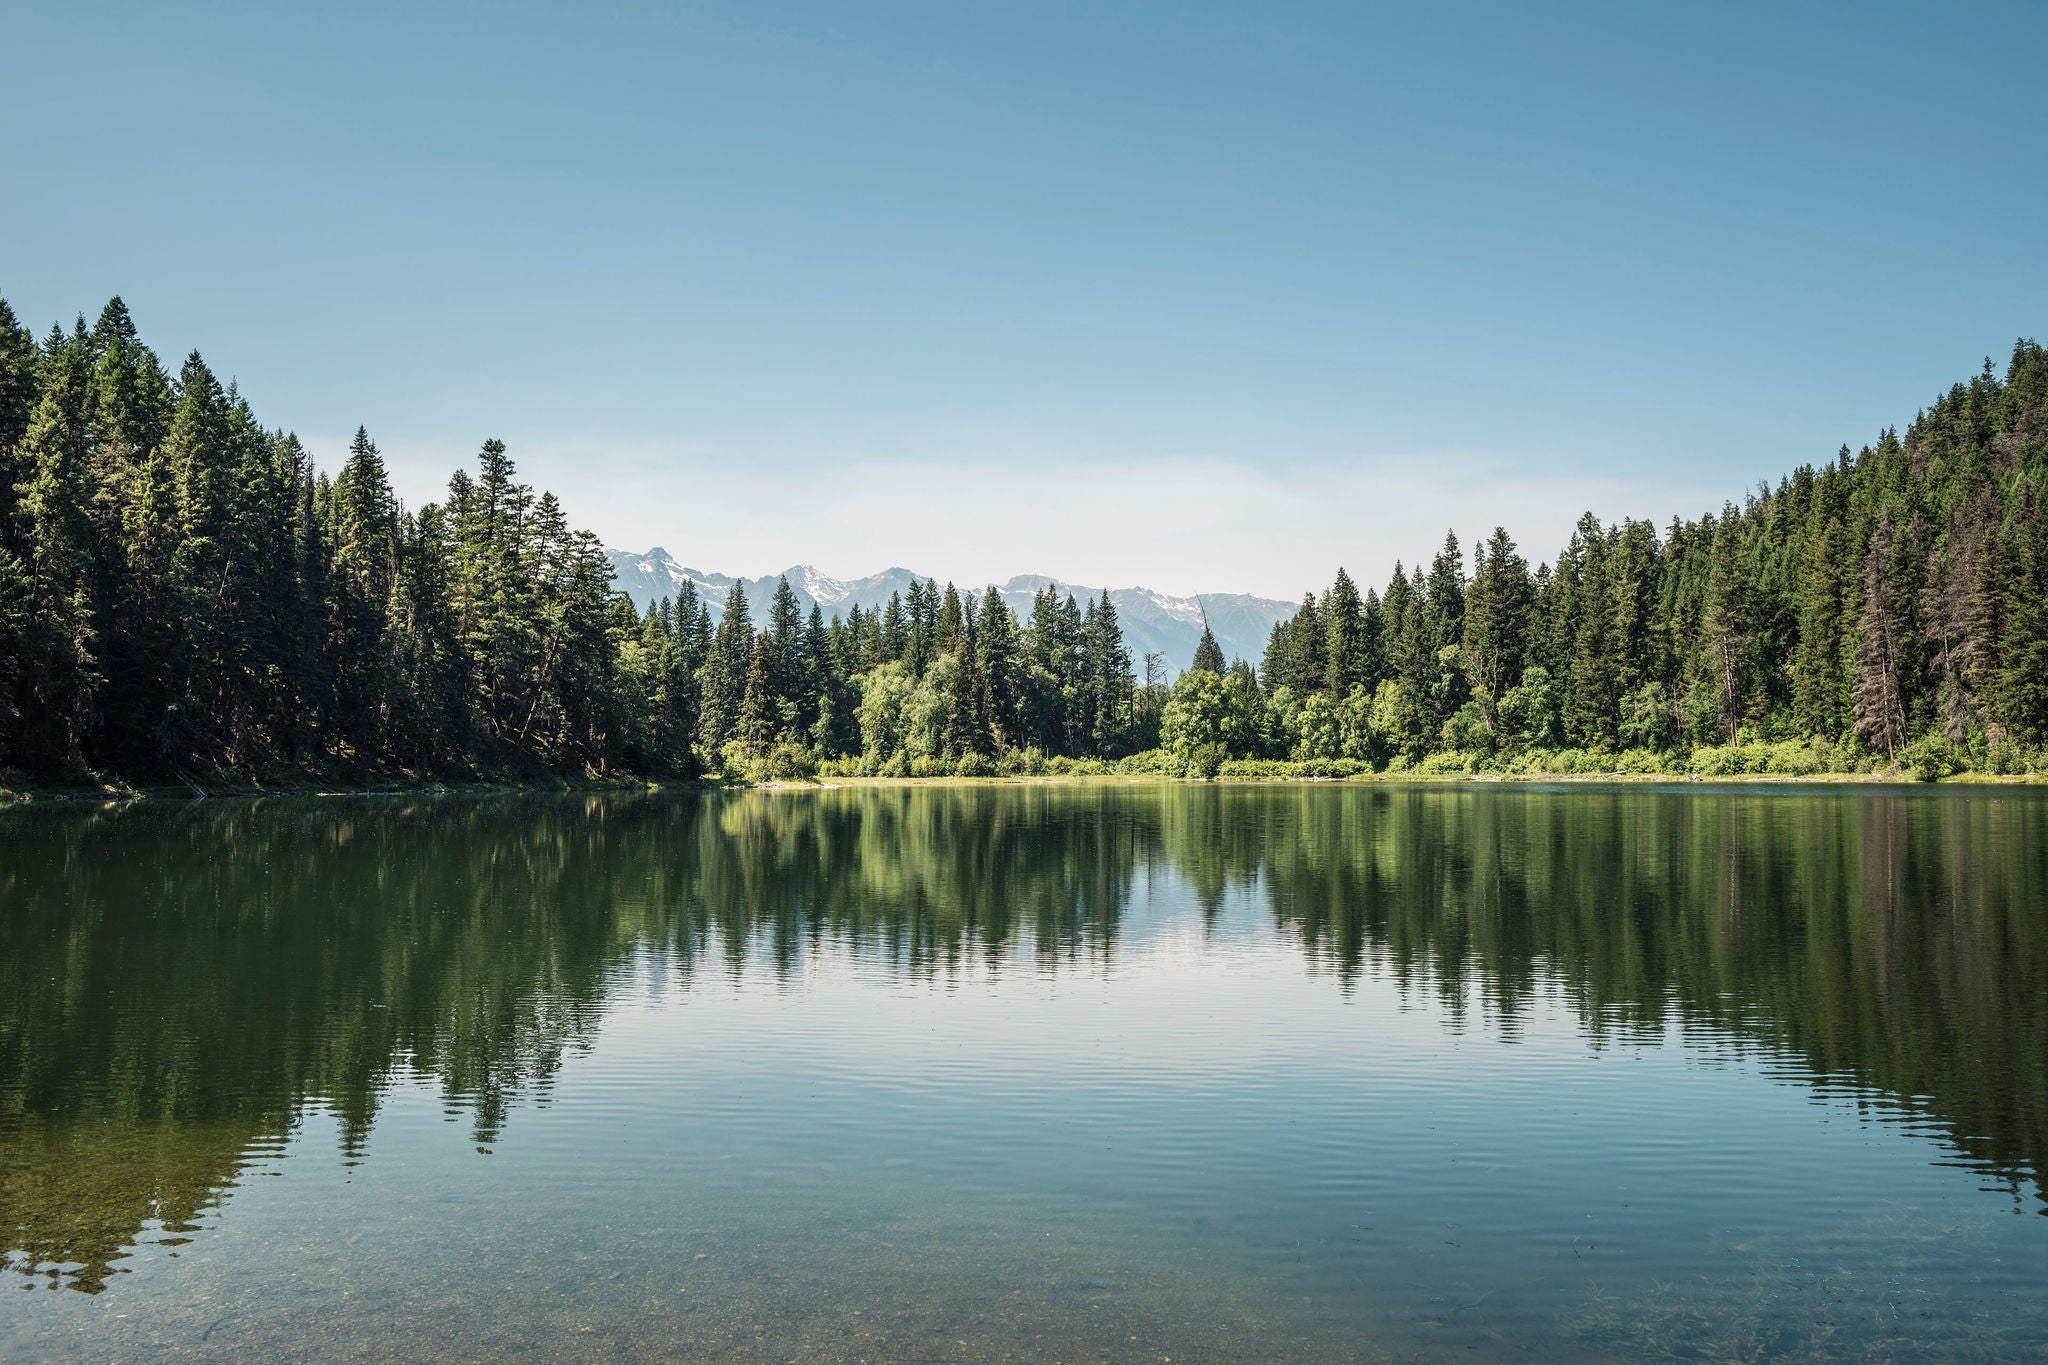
(1153, 622)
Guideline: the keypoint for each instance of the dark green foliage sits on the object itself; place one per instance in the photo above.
(182, 595)
(1874, 601)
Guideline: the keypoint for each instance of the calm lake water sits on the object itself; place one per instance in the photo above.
(1122, 1072)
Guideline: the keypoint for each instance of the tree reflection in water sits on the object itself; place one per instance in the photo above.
(178, 987)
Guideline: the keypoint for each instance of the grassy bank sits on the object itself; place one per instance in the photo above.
(1260, 771)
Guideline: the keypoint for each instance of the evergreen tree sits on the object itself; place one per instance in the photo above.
(1496, 620)
(1107, 669)
(1726, 640)
(1208, 654)
(57, 670)
(760, 715)
(724, 679)
(1344, 648)
(1880, 691)
(364, 577)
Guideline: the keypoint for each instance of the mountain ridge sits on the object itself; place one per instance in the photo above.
(1153, 622)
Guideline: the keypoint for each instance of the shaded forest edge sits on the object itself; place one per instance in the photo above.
(188, 603)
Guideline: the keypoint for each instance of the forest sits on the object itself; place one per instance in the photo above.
(186, 599)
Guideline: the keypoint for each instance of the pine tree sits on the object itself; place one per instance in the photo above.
(1880, 697)
(760, 715)
(1276, 665)
(995, 668)
(1343, 613)
(57, 674)
(1308, 641)
(1107, 666)
(18, 395)
(1726, 641)
(1496, 620)
(2023, 653)
(364, 576)
(1819, 690)
(788, 671)
(726, 666)
(1208, 654)
(1592, 703)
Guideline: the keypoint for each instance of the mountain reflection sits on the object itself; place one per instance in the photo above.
(179, 986)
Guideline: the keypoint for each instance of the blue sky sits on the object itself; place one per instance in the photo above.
(1204, 297)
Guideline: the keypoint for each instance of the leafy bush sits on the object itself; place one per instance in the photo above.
(1786, 759)
(786, 762)
(1931, 758)
(974, 765)
(1468, 731)
(1260, 769)
(1150, 763)
(1444, 762)
(2003, 757)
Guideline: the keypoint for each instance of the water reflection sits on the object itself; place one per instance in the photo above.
(180, 987)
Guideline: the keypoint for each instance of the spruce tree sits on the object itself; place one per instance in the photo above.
(1344, 651)
(1496, 620)
(57, 675)
(1726, 642)
(725, 671)
(1879, 690)
(760, 714)
(364, 576)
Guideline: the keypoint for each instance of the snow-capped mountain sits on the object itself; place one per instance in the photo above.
(1153, 622)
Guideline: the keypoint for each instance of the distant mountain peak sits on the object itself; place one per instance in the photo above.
(1153, 622)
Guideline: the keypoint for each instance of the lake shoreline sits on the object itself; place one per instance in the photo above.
(122, 792)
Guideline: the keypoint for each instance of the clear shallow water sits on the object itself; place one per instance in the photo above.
(1039, 1072)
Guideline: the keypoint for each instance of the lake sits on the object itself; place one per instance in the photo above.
(1029, 1071)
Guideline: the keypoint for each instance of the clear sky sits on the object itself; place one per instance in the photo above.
(1205, 297)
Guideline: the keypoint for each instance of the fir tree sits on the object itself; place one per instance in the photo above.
(724, 679)
(1208, 654)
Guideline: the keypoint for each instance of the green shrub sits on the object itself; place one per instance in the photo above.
(1719, 760)
(1788, 758)
(1150, 763)
(786, 762)
(1931, 758)
(2003, 757)
(1260, 769)
(1444, 762)
(931, 765)
(974, 765)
